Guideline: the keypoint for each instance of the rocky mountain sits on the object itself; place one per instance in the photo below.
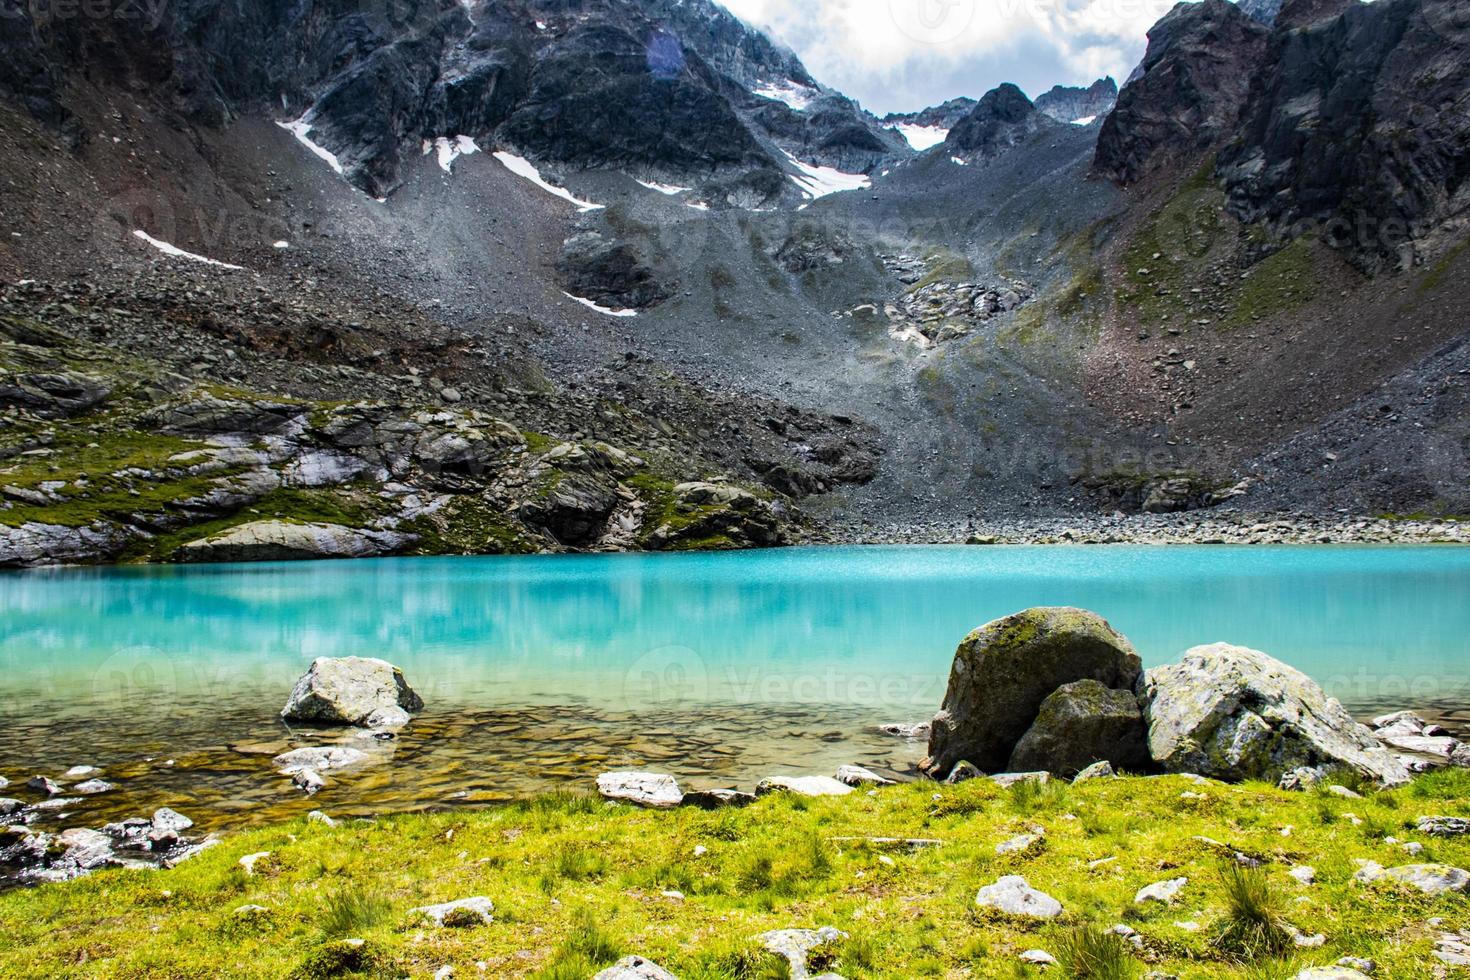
(1002, 119)
(641, 229)
(1193, 86)
(1067, 103)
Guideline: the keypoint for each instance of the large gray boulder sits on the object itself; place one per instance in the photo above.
(1004, 670)
(349, 691)
(1082, 723)
(289, 541)
(1231, 713)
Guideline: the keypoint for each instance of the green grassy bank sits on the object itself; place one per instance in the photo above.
(578, 882)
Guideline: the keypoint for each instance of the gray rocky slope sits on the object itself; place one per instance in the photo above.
(1034, 318)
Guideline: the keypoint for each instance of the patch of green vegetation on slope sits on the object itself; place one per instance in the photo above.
(578, 882)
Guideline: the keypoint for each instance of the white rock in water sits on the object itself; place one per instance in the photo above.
(1013, 896)
(1232, 713)
(92, 786)
(167, 819)
(1160, 891)
(635, 968)
(649, 789)
(464, 911)
(348, 691)
(802, 786)
(82, 772)
(320, 758)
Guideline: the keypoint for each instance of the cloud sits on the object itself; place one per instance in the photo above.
(901, 55)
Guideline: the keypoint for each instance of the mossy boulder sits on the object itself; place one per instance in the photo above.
(1232, 713)
(1082, 723)
(1003, 672)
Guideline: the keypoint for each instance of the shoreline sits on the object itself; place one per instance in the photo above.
(1165, 529)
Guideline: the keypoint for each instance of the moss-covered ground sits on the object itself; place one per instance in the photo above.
(578, 882)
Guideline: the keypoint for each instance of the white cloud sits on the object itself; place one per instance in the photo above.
(897, 55)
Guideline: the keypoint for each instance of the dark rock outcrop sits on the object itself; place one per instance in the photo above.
(1003, 672)
(1069, 103)
(1003, 118)
(1195, 79)
(610, 274)
(1082, 723)
(1358, 129)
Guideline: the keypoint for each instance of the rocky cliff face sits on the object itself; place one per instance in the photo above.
(666, 88)
(1358, 130)
(1069, 103)
(1003, 118)
(1194, 82)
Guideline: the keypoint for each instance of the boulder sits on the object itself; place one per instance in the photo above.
(1160, 891)
(1444, 826)
(1231, 713)
(1003, 672)
(650, 789)
(635, 968)
(54, 396)
(859, 776)
(348, 690)
(717, 799)
(274, 540)
(1005, 780)
(1431, 879)
(1098, 770)
(461, 912)
(1013, 896)
(802, 786)
(797, 946)
(1079, 724)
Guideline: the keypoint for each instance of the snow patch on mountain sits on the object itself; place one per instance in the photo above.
(821, 181)
(922, 137)
(669, 189)
(1084, 121)
(606, 311)
(797, 97)
(451, 150)
(178, 253)
(522, 167)
(301, 129)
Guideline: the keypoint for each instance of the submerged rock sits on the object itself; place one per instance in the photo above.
(1003, 672)
(348, 691)
(1231, 713)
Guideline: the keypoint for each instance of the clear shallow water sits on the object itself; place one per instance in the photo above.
(718, 667)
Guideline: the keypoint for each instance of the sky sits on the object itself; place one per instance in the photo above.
(905, 55)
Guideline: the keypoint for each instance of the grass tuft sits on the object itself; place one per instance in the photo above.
(1089, 952)
(1252, 925)
(352, 910)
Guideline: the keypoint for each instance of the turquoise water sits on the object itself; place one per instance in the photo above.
(753, 657)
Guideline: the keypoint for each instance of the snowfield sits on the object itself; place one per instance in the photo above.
(922, 137)
(301, 129)
(600, 309)
(821, 181)
(178, 253)
(522, 167)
